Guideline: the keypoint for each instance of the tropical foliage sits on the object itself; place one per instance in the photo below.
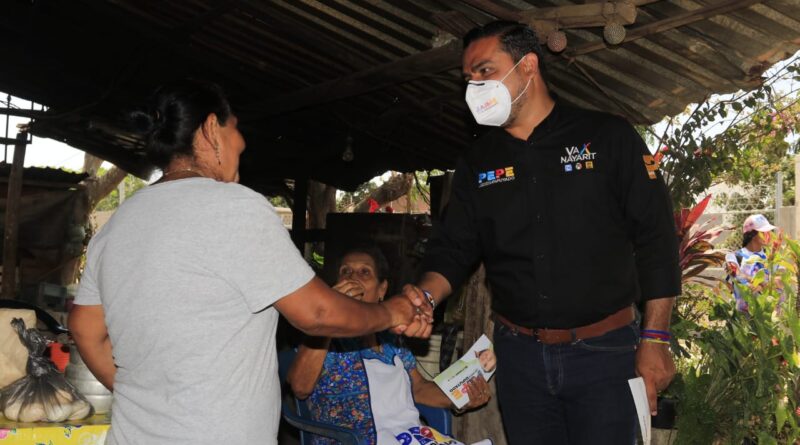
(738, 138)
(696, 251)
(739, 381)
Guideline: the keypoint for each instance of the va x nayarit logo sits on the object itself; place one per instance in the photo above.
(578, 157)
(578, 154)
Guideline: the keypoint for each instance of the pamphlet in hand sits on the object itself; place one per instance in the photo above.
(453, 380)
(639, 393)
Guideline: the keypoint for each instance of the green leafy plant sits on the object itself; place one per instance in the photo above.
(739, 381)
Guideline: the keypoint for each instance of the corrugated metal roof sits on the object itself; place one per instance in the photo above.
(307, 74)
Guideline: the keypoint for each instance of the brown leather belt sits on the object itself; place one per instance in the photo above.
(554, 336)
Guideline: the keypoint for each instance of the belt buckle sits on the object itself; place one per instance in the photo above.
(542, 335)
(548, 337)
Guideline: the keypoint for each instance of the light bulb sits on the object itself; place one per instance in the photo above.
(347, 154)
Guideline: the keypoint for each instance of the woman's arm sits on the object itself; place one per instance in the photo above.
(316, 309)
(88, 328)
(307, 366)
(427, 392)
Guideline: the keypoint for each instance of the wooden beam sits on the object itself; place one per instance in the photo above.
(157, 35)
(311, 235)
(400, 71)
(218, 9)
(568, 16)
(21, 112)
(686, 18)
(582, 16)
(47, 184)
(299, 213)
(491, 7)
(8, 287)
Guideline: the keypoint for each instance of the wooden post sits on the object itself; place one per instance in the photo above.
(299, 213)
(10, 239)
(485, 422)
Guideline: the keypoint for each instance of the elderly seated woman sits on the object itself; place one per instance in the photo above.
(370, 383)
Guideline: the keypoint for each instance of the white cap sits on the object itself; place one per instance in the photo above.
(757, 222)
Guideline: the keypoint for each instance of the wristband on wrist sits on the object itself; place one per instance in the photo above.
(656, 341)
(656, 332)
(429, 297)
(656, 336)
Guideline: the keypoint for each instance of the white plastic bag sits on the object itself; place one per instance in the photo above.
(13, 354)
(43, 395)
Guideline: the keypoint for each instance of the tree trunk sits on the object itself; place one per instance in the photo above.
(91, 164)
(98, 188)
(485, 422)
(396, 187)
(322, 200)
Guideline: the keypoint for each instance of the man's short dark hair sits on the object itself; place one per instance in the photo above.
(516, 39)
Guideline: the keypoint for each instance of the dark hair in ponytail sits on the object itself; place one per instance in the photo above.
(748, 236)
(174, 113)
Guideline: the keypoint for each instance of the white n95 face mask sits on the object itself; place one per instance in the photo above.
(489, 100)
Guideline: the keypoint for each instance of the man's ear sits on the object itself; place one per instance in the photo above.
(530, 63)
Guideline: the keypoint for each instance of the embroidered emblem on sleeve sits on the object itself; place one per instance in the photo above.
(651, 165)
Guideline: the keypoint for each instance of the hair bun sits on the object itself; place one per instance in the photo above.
(174, 113)
(145, 122)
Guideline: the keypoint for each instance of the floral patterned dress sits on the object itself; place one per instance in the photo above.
(341, 396)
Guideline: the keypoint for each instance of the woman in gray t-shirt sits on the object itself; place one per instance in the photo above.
(179, 300)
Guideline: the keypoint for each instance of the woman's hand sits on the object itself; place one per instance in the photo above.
(479, 393)
(402, 310)
(351, 288)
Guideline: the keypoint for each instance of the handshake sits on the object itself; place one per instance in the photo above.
(411, 311)
(415, 311)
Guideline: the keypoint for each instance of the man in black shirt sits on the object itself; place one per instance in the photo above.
(569, 214)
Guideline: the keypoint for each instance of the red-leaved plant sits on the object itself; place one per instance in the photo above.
(696, 253)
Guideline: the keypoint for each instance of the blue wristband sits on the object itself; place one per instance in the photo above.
(653, 331)
(429, 297)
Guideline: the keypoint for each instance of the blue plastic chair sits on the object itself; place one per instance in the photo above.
(297, 414)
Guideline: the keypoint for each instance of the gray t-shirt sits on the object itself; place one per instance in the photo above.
(187, 272)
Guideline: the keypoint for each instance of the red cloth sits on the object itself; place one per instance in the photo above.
(59, 355)
(373, 205)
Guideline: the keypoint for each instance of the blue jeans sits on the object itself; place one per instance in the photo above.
(574, 393)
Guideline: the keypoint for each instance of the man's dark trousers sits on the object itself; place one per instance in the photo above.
(567, 394)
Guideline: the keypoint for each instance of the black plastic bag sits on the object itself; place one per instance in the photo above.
(43, 395)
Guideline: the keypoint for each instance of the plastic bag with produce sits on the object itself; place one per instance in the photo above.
(43, 395)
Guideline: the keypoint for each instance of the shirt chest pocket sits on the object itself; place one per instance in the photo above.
(581, 198)
(499, 199)
(503, 213)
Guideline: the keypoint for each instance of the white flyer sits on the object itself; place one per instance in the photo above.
(453, 380)
(639, 393)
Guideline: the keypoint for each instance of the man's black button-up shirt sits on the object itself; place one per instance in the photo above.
(572, 225)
